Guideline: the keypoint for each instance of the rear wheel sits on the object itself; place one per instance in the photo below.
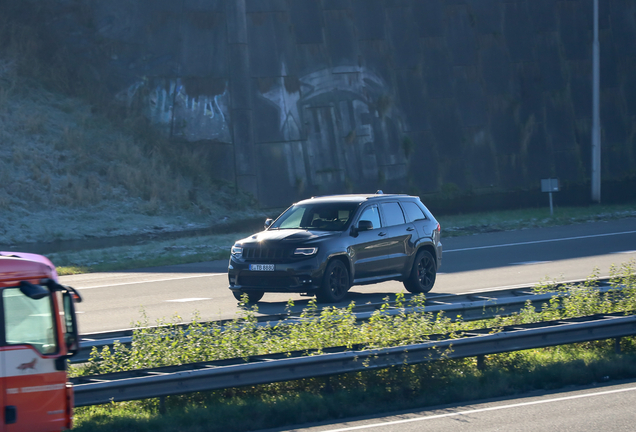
(423, 273)
(252, 296)
(335, 283)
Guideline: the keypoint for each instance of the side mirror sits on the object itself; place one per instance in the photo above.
(365, 225)
(71, 333)
(35, 292)
(54, 286)
(268, 222)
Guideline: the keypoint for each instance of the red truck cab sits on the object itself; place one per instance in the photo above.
(38, 332)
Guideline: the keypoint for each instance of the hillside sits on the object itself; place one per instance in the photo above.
(68, 172)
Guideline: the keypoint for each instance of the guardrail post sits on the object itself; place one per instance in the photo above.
(617, 345)
(481, 362)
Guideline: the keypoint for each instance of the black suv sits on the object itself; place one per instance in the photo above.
(324, 245)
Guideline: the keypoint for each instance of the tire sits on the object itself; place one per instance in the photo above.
(335, 283)
(252, 296)
(423, 273)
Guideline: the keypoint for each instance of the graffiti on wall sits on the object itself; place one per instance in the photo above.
(168, 105)
(340, 128)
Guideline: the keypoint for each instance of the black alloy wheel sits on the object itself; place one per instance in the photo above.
(252, 296)
(423, 274)
(335, 283)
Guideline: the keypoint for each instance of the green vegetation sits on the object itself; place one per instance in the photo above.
(474, 223)
(148, 254)
(368, 393)
(403, 387)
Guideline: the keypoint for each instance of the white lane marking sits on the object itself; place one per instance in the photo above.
(188, 300)
(626, 252)
(530, 262)
(150, 281)
(540, 241)
(481, 290)
(479, 410)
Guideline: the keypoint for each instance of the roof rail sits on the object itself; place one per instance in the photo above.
(378, 196)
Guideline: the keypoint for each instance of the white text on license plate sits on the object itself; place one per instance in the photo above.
(262, 267)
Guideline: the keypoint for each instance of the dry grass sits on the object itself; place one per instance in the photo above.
(68, 171)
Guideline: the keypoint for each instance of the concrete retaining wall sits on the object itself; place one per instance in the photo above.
(303, 97)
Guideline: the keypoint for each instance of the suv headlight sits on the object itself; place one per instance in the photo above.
(307, 251)
(237, 251)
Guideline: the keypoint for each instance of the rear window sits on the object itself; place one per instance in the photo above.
(413, 211)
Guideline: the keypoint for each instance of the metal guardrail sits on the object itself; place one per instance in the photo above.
(469, 306)
(142, 384)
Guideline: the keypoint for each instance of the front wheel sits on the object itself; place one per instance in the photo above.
(252, 296)
(335, 283)
(423, 273)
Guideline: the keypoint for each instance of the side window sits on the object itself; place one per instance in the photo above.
(371, 214)
(413, 212)
(29, 321)
(392, 213)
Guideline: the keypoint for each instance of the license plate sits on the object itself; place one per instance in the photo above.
(262, 267)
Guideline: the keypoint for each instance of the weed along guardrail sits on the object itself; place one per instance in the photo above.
(485, 305)
(174, 380)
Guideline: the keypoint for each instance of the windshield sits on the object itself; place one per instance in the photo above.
(29, 321)
(319, 216)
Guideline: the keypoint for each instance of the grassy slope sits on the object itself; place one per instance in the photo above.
(69, 173)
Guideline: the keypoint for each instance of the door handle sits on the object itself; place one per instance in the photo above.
(382, 234)
(410, 228)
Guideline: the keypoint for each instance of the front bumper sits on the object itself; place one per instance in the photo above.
(303, 276)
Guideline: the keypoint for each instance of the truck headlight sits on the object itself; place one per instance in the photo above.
(237, 251)
(307, 251)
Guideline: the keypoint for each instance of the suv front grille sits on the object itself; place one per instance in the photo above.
(265, 255)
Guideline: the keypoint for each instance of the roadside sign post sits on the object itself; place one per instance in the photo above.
(550, 185)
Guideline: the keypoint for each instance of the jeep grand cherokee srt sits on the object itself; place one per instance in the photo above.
(324, 245)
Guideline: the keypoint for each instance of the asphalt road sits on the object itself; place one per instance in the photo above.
(470, 264)
(606, 408)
